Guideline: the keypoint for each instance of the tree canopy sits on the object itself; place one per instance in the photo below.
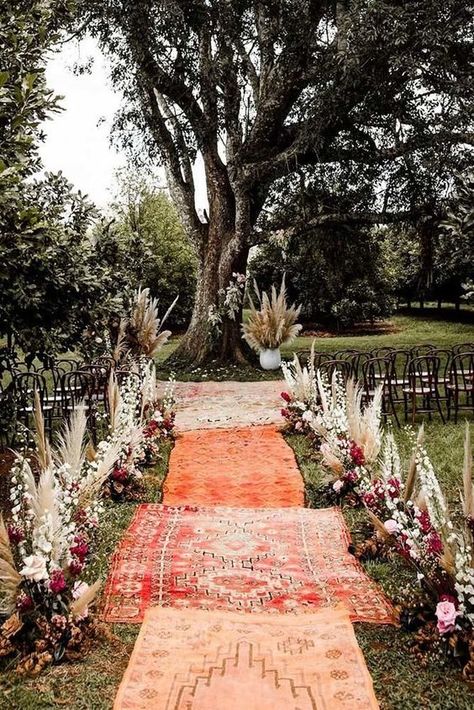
(306, 113)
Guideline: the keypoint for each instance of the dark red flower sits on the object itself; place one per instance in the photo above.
(369, 500)
(75, 567)
(120, 475)
(434, 543)
(15, 534)
(24, 603)
(285, 396)
(285, 413)
(357, 454)
(424, 521)
(79, 549)
(168, 423)
(351, 476)
(393, 487)
(57, 582)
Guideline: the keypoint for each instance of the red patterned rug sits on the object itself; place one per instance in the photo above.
(196, 660)
(276, 560)
(251, 467)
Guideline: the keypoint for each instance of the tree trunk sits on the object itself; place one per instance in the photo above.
(201, 342)
(222, 253)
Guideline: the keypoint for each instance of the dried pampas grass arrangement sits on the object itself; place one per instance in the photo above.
(273, 323)
(144, 331)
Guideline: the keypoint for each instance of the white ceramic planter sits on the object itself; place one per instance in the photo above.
(270, 359)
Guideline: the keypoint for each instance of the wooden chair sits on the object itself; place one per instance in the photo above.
(376, 373)
(460, 388)
(24, 385)
(420, 350)
(421, 392)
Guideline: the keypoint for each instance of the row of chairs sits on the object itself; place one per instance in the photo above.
(60, 388)
(421, 380)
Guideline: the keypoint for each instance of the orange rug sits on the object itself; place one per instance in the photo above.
(212, 405)
(278, 560)
(191, 660)
(242, 468)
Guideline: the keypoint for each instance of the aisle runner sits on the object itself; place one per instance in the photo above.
(251, 468)
(212, 405)
(279, 560)
(187, 660)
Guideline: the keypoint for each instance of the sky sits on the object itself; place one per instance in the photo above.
(78, 138)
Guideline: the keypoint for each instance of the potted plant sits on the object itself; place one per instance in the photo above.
(271, 325)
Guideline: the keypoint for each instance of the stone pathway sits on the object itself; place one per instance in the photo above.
(214, 563)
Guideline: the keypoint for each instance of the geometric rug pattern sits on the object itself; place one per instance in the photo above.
(213, 405)
(251, 467)
(214, 661)
(280, 560)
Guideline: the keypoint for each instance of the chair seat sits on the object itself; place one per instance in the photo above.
(419, 390)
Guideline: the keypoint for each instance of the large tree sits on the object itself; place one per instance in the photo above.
(276, 95)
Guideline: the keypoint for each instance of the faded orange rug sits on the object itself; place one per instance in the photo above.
(212, 405)
(276, 560)
(243, 468)
(195, 660)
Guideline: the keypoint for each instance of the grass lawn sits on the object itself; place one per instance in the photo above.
(91, 684)
(401, 683)
(402, 331)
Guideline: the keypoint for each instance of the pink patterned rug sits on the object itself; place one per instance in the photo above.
(211, 405)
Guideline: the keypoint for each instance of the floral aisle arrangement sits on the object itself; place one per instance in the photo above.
(301, 400)
(157, 414)
(141, 420)
(411, 516)
(47, 545)
(349, 435)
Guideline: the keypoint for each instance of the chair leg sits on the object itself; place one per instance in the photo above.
(413, 407)
(440, 409)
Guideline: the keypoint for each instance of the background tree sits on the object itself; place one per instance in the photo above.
(42, 223)
(55, 286)
(147, 246)
(272, 94)
(340, 275)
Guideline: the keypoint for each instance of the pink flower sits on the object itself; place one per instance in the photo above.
(285, 396)
(446, 614)
(338, 485)
(57, 583)
(391, 526)
(79, 589)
